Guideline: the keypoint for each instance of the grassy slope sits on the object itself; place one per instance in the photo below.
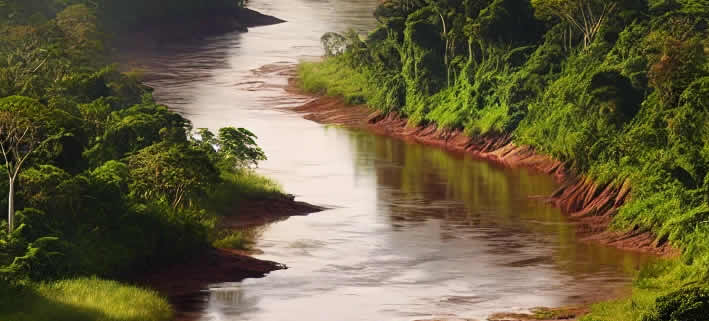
(84, 299)
(93, 299)
(237, 187)
(557, 106)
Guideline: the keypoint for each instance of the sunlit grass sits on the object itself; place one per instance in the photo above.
(251, 185)
(84, 299)
(333, 77)
(237, 240)
(238, 186)
(632, 308)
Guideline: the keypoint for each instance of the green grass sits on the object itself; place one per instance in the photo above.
(333, 77)
(630, 107)
(248, 184)
(659, 150)
(652, 283)
(238, 186)
(237, 240)
(84, 299)
(627, 309)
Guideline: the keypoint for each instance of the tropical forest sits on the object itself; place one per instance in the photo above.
(500, 160)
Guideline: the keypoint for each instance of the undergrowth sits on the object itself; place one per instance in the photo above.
(629, 106)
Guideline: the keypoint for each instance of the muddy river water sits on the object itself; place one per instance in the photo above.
(414, 232)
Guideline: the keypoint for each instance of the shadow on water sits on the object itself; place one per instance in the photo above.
(179, 66)
(414, 232)
(419, 184)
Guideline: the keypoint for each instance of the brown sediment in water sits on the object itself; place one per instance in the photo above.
(590, 205)
(184, 284)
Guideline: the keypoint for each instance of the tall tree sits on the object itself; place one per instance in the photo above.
(26, 126)
(586, 16)
(18, 139)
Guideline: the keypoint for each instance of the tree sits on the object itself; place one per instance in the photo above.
(80, 27)
(233, 148)
(18, 139)
(587, 16)
(238, 147)
(176, 174)
(449, 47)
(26, 125)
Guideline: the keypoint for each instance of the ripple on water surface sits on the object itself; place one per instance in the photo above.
(414, 233)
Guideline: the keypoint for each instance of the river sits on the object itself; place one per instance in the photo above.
(414, 232)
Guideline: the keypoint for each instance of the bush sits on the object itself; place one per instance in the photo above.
(688, 304)
(627, 105)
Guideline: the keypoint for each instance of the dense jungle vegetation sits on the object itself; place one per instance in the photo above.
(617, 89)
(103, 182)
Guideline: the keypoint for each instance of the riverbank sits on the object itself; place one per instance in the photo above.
(89, 218)
(623, 109)
(591, 206)
(215, 23)
(184, 284)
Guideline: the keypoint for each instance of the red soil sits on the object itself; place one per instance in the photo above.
(590, 205)
(185, 284)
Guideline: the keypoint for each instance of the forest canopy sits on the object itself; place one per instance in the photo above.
(102, 180)
(617, 90)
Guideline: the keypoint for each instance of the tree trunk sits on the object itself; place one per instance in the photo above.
(11, 208)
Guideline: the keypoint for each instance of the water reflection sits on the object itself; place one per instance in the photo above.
(414, 232)
(419, 184)
(429, 234)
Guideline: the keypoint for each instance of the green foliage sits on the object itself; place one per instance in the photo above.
(618, 95)
(508, 21)
(115, 184)
(234, 240)
(688, 304)
(83, 299)
(232, 149)
(173, 173)
(128, 14)
(237, 186)
(117, 15)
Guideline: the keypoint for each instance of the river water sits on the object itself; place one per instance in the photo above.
(414, 232)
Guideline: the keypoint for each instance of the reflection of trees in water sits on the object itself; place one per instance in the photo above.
(422, 183)
(438, 184)
(172, 68)
(228, 297)
(232, 301)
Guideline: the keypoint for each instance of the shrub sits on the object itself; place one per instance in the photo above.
(688, 304)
